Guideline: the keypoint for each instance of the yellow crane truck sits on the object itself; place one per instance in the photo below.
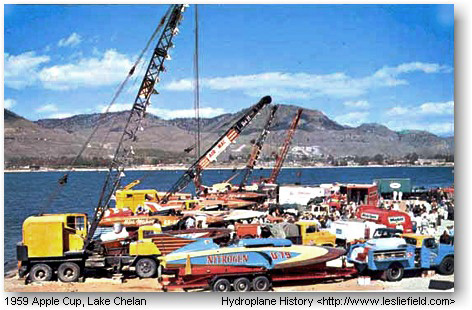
(53, 245)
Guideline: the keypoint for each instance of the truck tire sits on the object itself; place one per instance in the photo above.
(68, 272)
(394, 273)
(447, 266)
(221, 285)
(242, 285)
(146, 267)
(40, 272)
(261, 284)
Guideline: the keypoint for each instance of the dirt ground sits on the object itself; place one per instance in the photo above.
(14, 284)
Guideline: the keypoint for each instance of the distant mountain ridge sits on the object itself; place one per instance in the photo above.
(317, 133)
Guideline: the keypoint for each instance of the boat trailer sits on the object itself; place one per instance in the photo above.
(243, 279)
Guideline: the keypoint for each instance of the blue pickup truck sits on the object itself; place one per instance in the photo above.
(393, 256)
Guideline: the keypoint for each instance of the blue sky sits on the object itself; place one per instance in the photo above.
(389, 64)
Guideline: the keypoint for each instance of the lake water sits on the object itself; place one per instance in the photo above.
(27, 193)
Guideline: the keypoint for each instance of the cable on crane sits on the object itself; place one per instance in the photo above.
(64, 179)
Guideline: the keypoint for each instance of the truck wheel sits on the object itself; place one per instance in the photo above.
(242, 285)
(447, 266)
(261, 284)
(221, 285)
(40, 272)
(394, 273)
(146, 267)
(68, 272)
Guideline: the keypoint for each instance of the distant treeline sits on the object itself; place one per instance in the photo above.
(151, 157)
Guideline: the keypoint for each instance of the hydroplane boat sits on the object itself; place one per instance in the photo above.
(260, 254)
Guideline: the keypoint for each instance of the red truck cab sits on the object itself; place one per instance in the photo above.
(389, 218)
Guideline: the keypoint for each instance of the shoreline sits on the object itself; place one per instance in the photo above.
(183, 168)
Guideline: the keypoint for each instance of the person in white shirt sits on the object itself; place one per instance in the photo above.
(190, 222)
(157, 224)
(119, 232)
(424, 223)
(396, 206)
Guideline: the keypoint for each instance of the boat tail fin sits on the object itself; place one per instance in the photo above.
(188, 266)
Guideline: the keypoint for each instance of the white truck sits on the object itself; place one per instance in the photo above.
(300, 195)
(353, 229)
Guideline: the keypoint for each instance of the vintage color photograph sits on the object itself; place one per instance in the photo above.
(286, 148)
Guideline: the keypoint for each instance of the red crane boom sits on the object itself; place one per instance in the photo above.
(284, 149)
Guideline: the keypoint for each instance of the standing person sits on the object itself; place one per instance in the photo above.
(451, 233)
(190, 222)
(396, 206)
(424, 223)
(432, 217)
(450, 211)
(445, 213)
(445, 239)
(157, 224)
(328, 222)
(119, 232)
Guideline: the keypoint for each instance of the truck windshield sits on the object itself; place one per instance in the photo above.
(311, 229)
(80, 223)
(430, 243)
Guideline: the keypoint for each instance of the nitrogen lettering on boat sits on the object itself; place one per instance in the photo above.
(227, 259)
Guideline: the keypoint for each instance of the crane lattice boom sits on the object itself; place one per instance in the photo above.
(124, 150)
(257, 147)
(284, 149)
(216, 149)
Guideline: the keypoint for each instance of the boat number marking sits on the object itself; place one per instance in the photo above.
(280, 255)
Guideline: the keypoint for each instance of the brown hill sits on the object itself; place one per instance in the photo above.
(25, 139)
(317, 137)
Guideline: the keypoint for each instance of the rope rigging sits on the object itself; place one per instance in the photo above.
(64, 178)
(197, 87)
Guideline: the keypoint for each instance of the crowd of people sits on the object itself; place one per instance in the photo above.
(429, 216)
(427, 213)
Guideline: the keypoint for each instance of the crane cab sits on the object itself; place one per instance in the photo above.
(52, 235)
